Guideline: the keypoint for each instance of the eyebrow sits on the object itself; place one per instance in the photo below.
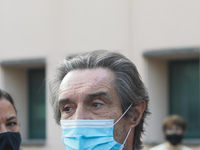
(63, 101)
(10, 118)
(102, 94)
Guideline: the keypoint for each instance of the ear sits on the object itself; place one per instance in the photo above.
(136, 113)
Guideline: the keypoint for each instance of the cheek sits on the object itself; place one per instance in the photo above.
(13, 128)
(120, 131)
(17, 129)
(168, 132)
(111, 114)
(180, 132)
(103, 115)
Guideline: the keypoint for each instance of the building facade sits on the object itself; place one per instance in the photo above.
(162, 38)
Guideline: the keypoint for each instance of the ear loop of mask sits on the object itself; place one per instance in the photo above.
(123, 114)
(122, 146)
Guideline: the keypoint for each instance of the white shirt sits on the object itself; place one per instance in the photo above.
(163, 147)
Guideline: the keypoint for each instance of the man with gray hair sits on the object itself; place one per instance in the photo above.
(100, 102)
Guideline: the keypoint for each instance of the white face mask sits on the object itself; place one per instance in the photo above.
(91, 134)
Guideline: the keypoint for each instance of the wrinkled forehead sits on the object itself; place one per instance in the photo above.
(89, 76)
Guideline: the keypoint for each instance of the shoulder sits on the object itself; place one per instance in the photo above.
(186, 148)
(159, 147)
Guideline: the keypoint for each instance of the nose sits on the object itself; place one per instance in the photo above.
(3, 128)
(81, 113)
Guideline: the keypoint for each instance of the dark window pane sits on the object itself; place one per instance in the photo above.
(184, 94)
(37, 107)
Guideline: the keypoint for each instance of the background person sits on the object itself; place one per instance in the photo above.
(95, 89)
(10, 138)
(174, 128)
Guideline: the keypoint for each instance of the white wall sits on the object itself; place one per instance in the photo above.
(158, 92)
(97, 24)
(25, 27)
(165, 24)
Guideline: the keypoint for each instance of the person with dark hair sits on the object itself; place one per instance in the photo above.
(100, 101)
(174, 128)
(10, 138)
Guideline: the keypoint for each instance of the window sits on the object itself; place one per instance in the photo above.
(184, 94)
(36, 106)
(25, 80)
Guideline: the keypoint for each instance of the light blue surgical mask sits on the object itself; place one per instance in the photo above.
(90, 134)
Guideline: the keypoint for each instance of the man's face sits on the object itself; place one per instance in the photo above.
(89, 94)
(8, 117)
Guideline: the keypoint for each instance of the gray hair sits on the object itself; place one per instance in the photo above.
(128, 83)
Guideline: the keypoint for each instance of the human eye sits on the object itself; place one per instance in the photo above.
(96, 105)
(67, 109)
(11, 124)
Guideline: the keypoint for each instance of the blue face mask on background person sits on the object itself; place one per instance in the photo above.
(10, 141)
(90, 134)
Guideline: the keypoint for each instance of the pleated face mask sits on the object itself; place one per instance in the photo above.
(90, 134)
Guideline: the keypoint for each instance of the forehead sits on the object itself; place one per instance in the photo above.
(87, 78)
(6, 107)
(172, 125)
